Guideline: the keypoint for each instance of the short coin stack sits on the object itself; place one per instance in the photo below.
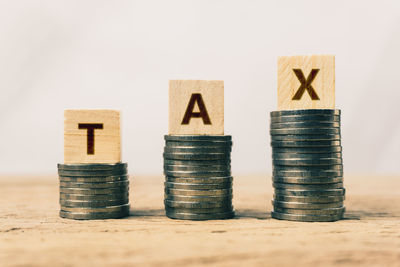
(93, 191)
(198, 181)
(307, 165)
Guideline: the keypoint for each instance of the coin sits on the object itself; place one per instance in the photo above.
(306, 137)
(306, 206)
(188, 156)
(328, 211)
(197, 168)
(306, 162)
(311, 193)
(87, 191)
(187, 186)
(200, 217)
(197, 137)
(94, 185)
(197, 162)
(181, 192)
(105, 179)
(309, 199)
(311, 168)
(305, 112)
(319, 143)
(199, 210)
(313, 156)
(197, 174)
(223, 198)
(204, 180)
(92, 166)
(312, 173)
(301, 118)
(94, 216)
(307, 150)
(306, 218)
(197, 150)
(106, 197)
(91, 173)
(308, 186)
(93, 210)
(198, 143)
(308, 131)
(92, 204)
(304, 124)
(197, 204)
(303, 180)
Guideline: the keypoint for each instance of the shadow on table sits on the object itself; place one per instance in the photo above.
(366, 215)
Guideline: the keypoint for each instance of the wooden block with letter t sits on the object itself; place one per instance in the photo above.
(92, 136)
(196, 107)
(306, 82)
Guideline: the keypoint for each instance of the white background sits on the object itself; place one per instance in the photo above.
(121, 54)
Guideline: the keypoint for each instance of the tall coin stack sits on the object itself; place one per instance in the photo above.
(93, 191)
(307, 165)
(198, 181)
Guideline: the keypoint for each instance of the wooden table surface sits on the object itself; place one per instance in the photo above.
(32, 233)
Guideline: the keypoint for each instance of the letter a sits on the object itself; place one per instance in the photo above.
(196, 98)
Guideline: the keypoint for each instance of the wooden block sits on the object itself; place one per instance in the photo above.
(306, 82)
(92, 136)
(196, 107)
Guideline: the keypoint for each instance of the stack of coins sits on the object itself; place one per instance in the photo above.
(307, 165)
(198, 181)
(93, 191)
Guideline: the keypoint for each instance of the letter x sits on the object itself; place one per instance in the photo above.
(305, 84)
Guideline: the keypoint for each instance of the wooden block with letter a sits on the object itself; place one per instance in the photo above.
(196, 107)
(306, 82)
(92, 136)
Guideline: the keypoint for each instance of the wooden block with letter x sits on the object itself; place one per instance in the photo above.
(92, 136)
(196, 107)
(306, 82)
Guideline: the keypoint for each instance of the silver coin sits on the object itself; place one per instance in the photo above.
(199, 210)
(306, 206)
(305, 112)
(197, 205)
(198, 143)
(329, 211)
(200, 217)
(181, 192)
(94, 210)
(304, 124)
(197, 150)
(308, 186)
(187, 156)
(94, 216)
(92, 166)
(94, 185)
(315, 143)
(309, 174)
(187, 186)
(301, 118)
(86, 191)
(205, 180)
(197, 162)
(306, 162)
(93, 204)
(307, 150)
(311, 137)
(197, 174)
(223, 198)
(310, 193)
(317, 168)
(106, 197)
(197, 137)
(197, 168)
(313, 156)
(307, 131)
(309, 199)
(303, 180)
(85, 173)
(306, 218)
(105, 179)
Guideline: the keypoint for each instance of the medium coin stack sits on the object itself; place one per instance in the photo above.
(93, 191)
(198, 181)
(307, 165)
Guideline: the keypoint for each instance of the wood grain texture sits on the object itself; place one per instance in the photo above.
(180, 93)
(107, 141)
(323, 84)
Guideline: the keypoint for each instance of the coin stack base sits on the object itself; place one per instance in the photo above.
(93, 191)
(198, 181)
(307, 165)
